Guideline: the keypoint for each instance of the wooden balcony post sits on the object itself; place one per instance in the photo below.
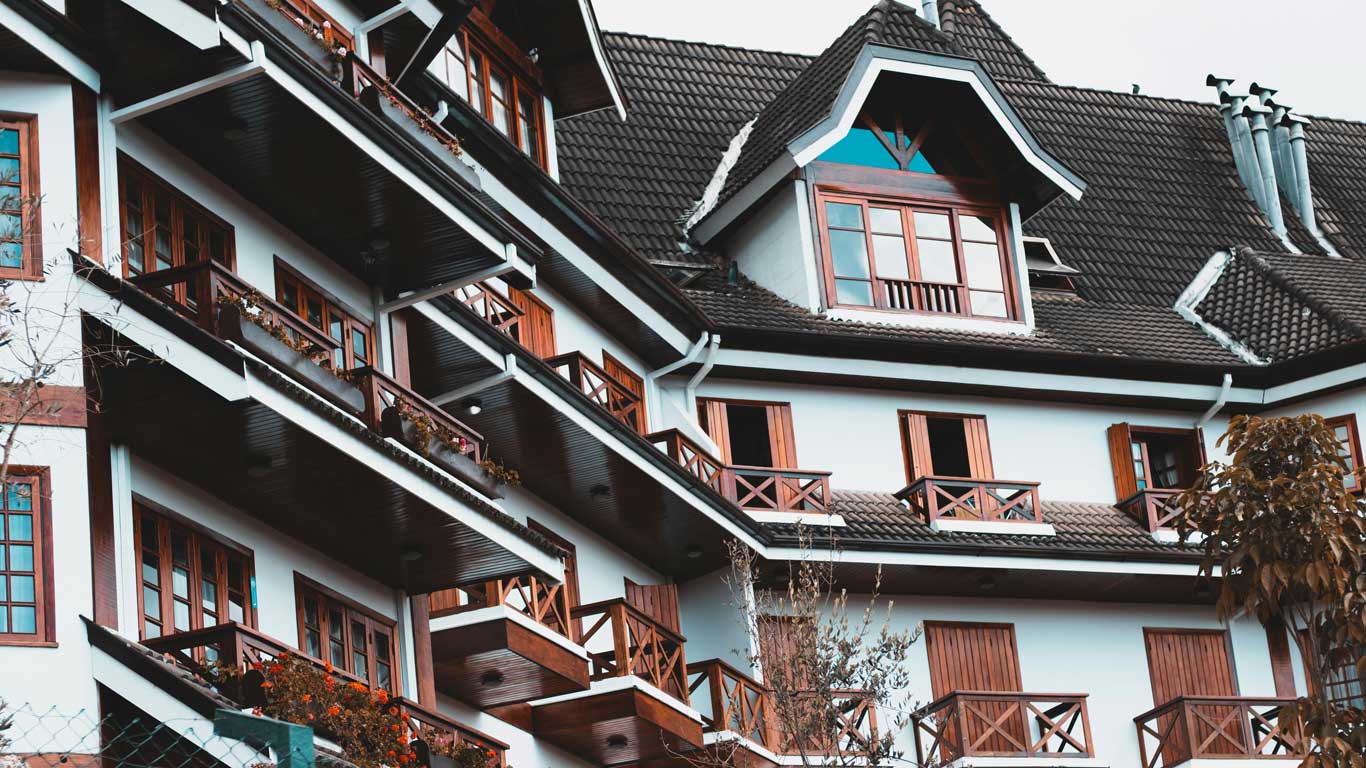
(960, 723)
(1086, 729)
(1193, 749)
(620, 642)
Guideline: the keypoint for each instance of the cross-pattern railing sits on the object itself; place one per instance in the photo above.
(202, 651)
(852, 727)
(763, 489)
(694, 459)
(994, 724)
(640, 646)
(388, 404)
(599, 386)
(956, 498)
(1154, 508)
(544, 603)
(732, 701)
(496, 309)
(1203, 727)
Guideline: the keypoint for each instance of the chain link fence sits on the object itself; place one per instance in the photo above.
(48, 738)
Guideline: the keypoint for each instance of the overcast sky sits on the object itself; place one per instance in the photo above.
(1312, 50)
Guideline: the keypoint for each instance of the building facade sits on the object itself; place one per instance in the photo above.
(450, 343)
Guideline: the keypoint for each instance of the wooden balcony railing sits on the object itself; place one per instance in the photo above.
(956, 498)
(640, 646)
(944, 298)
(762, 489)
(1201, 727)
(695, 460)
(194, 290)
(853, 728)
(968, 724)
(234, 645)
(599, 386)
(544, 603)
(1154, 508)
(733, 701)
(495, 308)
(388, 404)
(316, 22)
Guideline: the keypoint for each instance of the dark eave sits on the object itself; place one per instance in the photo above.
(21, 55)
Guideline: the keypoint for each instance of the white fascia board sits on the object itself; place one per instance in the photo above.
(386, 466)
(625, 682)
(57, 53)
(185, 22)
(986, 377)
(743, 199)
(792, 518)
(875, 59)
(1000, 527)
(929, 322)
(500, 613)
(368, 146)
(601, 57)
(1021, 562)
(1350, 375)
(425, 11)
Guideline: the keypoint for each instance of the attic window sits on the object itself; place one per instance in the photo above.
(1046, 270)
(891, 148)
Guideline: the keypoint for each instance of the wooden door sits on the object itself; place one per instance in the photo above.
(1194, 662)
(536, 330)
(632, 382)
(658, 601)
(978, 657)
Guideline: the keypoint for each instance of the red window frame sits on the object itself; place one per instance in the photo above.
(1345, 427)
(319, 610)
(28, 589)
(192, 232)
(897, 294)
(301, 295)
(19, 196)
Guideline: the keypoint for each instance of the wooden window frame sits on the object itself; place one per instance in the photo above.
(908, 205)
(983, 457)
(787, 446)
(197, 536)
(44, 574)
(30, 194)
(180, 205)
(331, 305)
(1353, 445)
(1138, 432)
(480, 36)
(352, 611)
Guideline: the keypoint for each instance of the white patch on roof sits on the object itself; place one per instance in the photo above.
(718, 179)
(1196, 292)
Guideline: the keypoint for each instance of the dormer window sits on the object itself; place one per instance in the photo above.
(911, 256)
(486, 69)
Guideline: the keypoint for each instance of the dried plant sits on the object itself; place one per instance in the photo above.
(1287, 542)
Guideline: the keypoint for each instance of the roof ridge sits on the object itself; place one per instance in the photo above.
(704, 44)
(1259, 262)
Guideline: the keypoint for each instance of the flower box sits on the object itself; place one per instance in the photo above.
(382, 105)
(298, 366)
(453, 461)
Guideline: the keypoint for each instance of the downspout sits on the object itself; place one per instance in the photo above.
(691, 391)
(652, 391)
(1219, 401)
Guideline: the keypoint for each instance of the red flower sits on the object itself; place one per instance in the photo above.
(267, 684)
(334, 710)
(310, 715)
(307, 697)
(276, 669)
(328, 666)
(357, 687)
(258, 666)
(382, 695)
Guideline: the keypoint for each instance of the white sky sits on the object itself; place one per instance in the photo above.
(1312, 50)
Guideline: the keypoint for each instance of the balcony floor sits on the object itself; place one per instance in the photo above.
(584, 725)
(531, 665)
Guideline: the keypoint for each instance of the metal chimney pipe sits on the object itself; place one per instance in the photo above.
(1294, 125)
(1246, 146)
(930, 10)
(1266, 164)
(1286, 175)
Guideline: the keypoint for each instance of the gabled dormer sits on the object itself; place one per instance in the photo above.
(887, 184)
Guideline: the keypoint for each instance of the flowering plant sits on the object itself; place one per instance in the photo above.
(495, 469)
(464, 754)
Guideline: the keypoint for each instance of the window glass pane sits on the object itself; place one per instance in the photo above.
(886, 221)
(979, 228)
(10, 199)
(150, 630)
(180, 582)
(313, 311)
(190, 237)
(861, 147)
(20, 557)
(983, 263)
(477, 81)
(21, 527)
(9, 170)
(890, 251)
(932, 225)
(151, 603)
(289, 296)
(11, 226)
(11, 255)
(182, 615)
(208, 595)
(313, 643)
(854, 292)
(358, 344)
(4, 619)
(848, 253)
(844, 215)
(151, 569)
(20, 496)
(937, 264)
(4, 587)
(988, 304)
(9, 141)
(23, 620)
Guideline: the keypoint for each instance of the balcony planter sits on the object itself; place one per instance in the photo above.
(303, 40)
(454, 462)
(384, 106)
(240, 330)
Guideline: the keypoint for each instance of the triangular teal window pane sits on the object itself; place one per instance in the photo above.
(861, 147)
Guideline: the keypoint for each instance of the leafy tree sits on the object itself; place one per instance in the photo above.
(1287, 543)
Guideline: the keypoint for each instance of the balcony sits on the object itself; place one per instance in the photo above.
(1042, 727)
(493, 307)
(638, 707)
(1191, 728)
(203, 651)
(1153, 508)
(600, 387)
(957, 503)
(506, 642)
(753, 489)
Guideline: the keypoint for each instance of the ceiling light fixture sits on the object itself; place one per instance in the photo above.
(472, 406)
(986, 582)
(410, 553)
(616, 741)
(599, 491)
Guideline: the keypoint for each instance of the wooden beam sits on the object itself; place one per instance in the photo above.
(422, 650)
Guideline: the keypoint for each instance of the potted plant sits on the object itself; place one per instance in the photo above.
(445, 447)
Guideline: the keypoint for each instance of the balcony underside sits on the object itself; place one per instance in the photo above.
(593, 726)
(499, 662)
(563, 461)
(352, 501)
(721, 750)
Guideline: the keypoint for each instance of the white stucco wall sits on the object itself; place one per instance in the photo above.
(774, 247)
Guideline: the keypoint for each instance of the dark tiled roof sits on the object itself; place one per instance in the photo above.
(973, 28)
(688, 100)
(809, 98)
(877, 520)
(1065, 324)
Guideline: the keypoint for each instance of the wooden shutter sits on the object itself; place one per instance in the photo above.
(537, 327)
(979, 447)
(1121, 460)
(916, 446)
(780, 644)
(1189, 662)
(658, 601)
(713, 415)
(781, 440)
(633, 383)
(978, 657)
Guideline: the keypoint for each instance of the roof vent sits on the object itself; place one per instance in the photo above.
(930, 10)
(1046, 270)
